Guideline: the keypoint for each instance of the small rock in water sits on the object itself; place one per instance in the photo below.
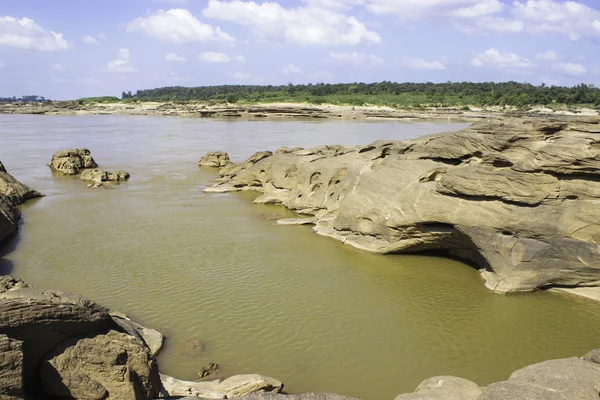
(193, 348)
(208, 370)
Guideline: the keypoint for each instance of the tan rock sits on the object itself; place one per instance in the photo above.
(11, 369)
(71, 162)
(240, 385)
(217, 159)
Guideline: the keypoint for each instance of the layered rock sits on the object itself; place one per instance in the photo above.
(12, 193)
(11, 368)
(71, 162)
(517, 198)
(99, 176)
(216, 159)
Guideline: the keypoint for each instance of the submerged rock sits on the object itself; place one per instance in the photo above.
(71, 162)
(517, 198)
(217, 159)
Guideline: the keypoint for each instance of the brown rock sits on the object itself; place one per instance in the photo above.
(11, 369)
(71, 162)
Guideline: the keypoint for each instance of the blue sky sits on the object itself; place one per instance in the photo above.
(66, 49)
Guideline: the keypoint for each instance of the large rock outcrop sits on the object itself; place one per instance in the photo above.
(12, 193)
(11, 368)
(518, 198)
(107, 366)
(71, 162)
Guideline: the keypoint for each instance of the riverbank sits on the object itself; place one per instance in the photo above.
(285, 110)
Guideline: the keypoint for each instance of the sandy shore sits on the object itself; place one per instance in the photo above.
(280, 110)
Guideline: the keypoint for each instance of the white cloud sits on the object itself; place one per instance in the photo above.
(570, 18)
(308, 26)
(547, 55)
(222, 58)
(177, 26)
(58, 67)
(173, 57)
(90, 40)
(25, 34)
(493, 58)
(420, 64)
(121, 65)
(571, 69)
(479, 10)
(357, 59)
(291, 69)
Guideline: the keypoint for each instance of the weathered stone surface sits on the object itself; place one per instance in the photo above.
(9, 218)
(11, 369)
(43, 319)
(107, 366)
(71, 162)
(100, 176)
(217, 159)
(208, 370)
(561, 375)
(303, 396)
(153, 339)
(444, 388)
(592, 356)
(516, 197)
(519, 391)
(176, 387)
(17, 192)
(240, 385)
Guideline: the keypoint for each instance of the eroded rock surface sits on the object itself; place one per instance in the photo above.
(100, 176)
(11, 368)
(71, 162)
(240, 385)
(216, 159)
(107, 366)
(516, 197)
(444, 388)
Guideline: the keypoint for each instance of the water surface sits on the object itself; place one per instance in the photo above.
(275, 300)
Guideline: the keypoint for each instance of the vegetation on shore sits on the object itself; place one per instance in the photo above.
(399, 95)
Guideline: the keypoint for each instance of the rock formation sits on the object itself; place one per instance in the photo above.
(71, 162)
(216, 159)
(517, 198)
(12, 193)
(99, 177)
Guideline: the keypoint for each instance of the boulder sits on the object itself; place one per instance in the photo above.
(153, 339)
(515, 197)
(567, 375)
(592, 356)
(444, 388)
(43, 319)
(17, 192)
(240, 385)
(217, 159)
(71, 162)
(176, 387)
(11, 369)
(520, 391)
(106, 366)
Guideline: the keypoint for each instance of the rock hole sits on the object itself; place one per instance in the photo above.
(315, 177)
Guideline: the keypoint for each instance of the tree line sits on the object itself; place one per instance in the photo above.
(449, 93)
(23, 99)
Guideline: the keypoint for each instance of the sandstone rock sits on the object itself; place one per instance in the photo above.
(17, 192)
(217, 159)
(153, 339)
(207, 370)
(43, 319)
(303, 396)
(99, 176)
(176, 387)
(592, 356)
(71, 162)
(11, 369)
(520, 391)
(240, 385)
(9, 218)
(444, 388)
(516, 197)
(108, 366)
(569, 374)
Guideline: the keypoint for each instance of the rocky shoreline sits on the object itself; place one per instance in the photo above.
(516, 198)
(282, 110)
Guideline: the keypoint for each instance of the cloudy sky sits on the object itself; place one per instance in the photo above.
(74, 48)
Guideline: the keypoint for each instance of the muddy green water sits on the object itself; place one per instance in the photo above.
(275, 300)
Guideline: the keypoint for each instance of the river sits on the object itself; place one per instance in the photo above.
(262, 298)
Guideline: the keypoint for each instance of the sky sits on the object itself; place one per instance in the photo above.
(67, 49)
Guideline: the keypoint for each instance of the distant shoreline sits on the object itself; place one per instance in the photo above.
(284, 110)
